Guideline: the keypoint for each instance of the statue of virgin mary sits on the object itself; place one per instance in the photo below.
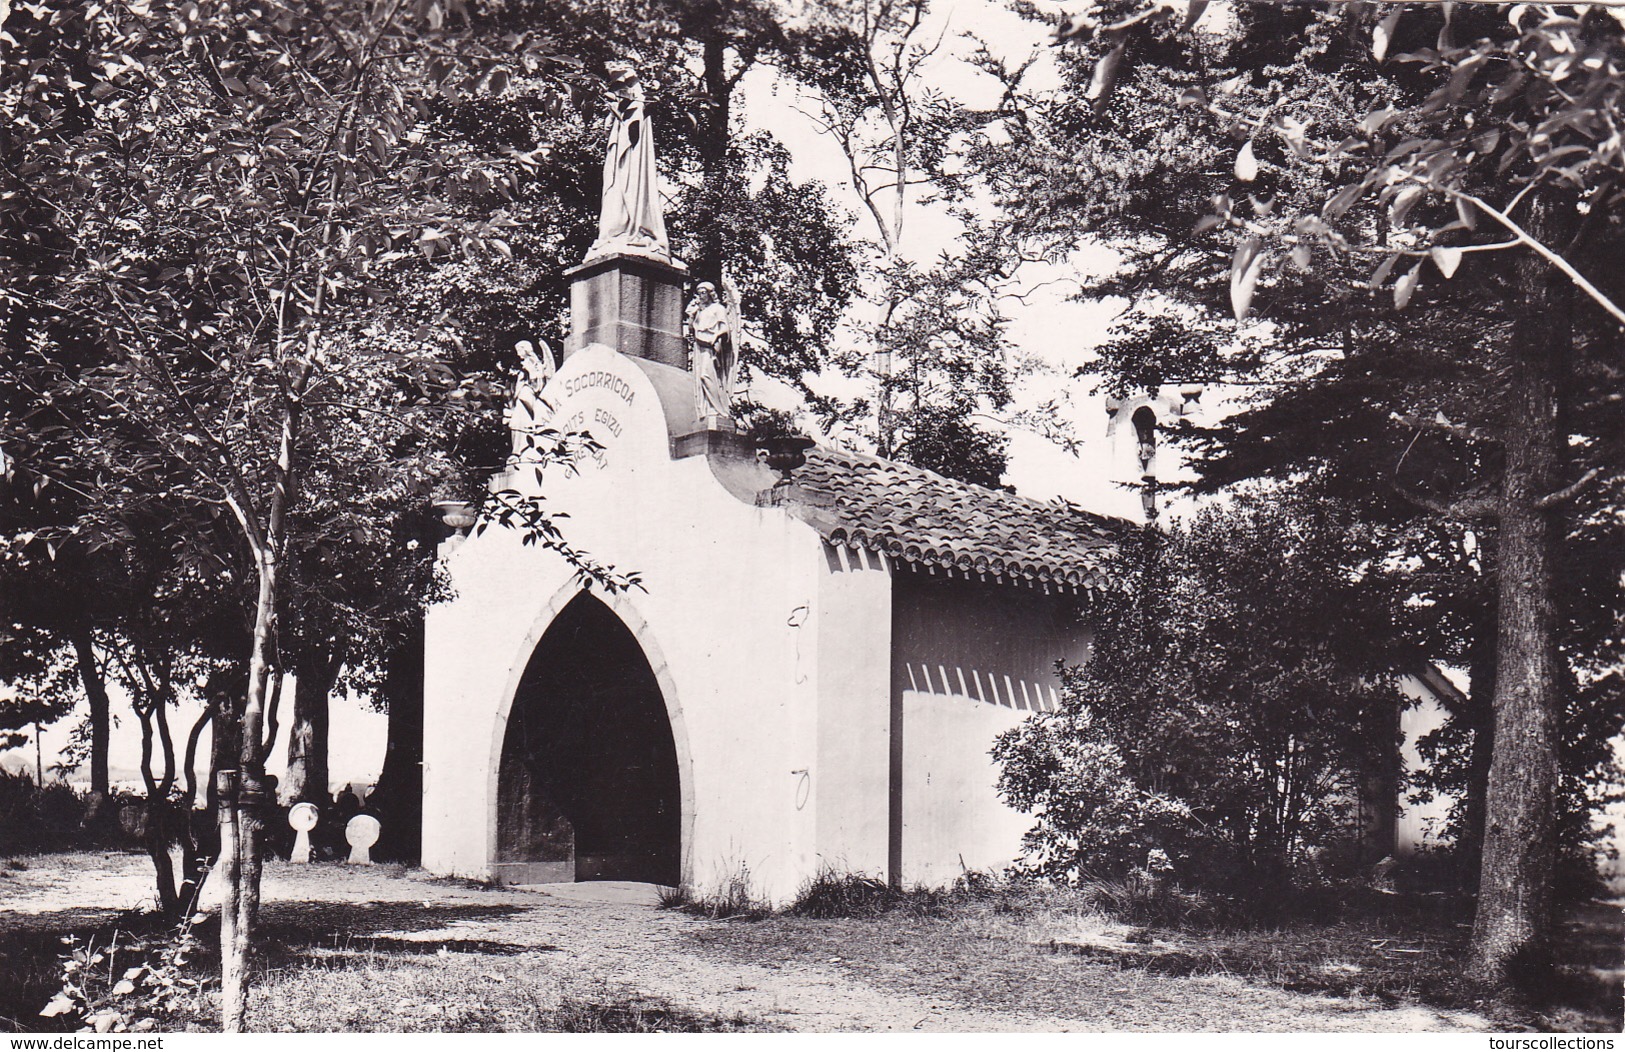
(630, 218)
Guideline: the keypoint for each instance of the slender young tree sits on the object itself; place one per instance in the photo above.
(236, 192)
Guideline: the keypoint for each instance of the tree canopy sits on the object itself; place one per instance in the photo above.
(1408, 208)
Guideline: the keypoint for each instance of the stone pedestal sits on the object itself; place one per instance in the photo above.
(631, 303)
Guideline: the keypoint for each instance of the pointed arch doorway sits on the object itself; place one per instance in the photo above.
(588, 787)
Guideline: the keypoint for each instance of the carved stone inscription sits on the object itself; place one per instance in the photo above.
(599, 421)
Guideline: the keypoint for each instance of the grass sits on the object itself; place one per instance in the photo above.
(368, 990)
(399, 966)
(365, 984)
(733, 897)
(399, 962)
(830, 894)
(1018, 945)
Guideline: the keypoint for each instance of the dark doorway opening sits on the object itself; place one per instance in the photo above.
(588, 788)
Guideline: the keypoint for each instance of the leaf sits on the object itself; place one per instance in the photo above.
(122, 987)
(1380, 275)
(1193, 13)
(59, 1005)
(1406, 285)
(1342, 201)
(1402, 204)
(1373, 122)
(1104, 80)
(1245, 267)
(1246, 163)
(1383, 35)
(1302, 257)
(1192, 97)
(1446, 258)
(1486, 142)
(1292, 131)
(1509, 87)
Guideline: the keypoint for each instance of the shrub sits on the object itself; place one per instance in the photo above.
(1238, 696)
(130, 983)
(35, 820)
(1093, 821)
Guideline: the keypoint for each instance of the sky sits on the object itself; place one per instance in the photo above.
(1052, 333)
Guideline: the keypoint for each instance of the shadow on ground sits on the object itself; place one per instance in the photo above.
(292, 933)
(31, 946)
(333, 932)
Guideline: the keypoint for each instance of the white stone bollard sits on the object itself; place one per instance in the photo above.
(302, 817)
(362, 833)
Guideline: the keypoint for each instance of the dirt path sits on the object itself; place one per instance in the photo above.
(585, 938)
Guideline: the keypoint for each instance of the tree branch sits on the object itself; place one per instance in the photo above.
(1569, 492)
(1461, 510)
(1476, 434)
(1596, 294)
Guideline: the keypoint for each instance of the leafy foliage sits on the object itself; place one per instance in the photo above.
(36, 819)
(156, 985)
(1094, 822)
(1233, 705)
(935, 352)
(1416, 204)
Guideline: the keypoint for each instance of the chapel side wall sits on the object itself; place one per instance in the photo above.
(851, 779)
(1419, 823)
(730, 587)
(970, 660)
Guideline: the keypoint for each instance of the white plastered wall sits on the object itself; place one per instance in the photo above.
(971, 660)
(729, 620)
(1420, 824)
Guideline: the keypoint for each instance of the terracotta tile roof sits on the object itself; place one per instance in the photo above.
(920, 517)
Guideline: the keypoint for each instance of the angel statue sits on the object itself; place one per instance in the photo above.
(529, 413)
(629, 218)
(711, 343)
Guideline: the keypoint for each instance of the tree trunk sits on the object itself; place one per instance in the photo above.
(84, 648)
(315, 671)
(240, 821)
(398, 797)
(1514, 900)
(712, 143)
(158, 835)
(194, 860)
